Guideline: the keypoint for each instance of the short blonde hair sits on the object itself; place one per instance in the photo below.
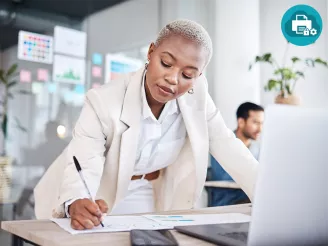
(190, 30)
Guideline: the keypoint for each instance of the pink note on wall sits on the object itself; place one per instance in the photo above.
(96, 71)
(96, 85)
(42, 74)
(25, 76)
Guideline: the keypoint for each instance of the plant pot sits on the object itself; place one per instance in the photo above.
(289, 99)
(5, 177)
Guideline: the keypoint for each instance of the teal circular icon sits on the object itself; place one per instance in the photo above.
(301, 25)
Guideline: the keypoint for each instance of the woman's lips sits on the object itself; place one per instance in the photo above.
(166, 89)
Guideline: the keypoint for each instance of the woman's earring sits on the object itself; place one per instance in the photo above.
(191, 91)
(146, 64)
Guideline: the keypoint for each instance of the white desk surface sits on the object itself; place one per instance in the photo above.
(45, 232)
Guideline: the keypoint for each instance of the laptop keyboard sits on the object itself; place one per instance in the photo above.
(240, 236)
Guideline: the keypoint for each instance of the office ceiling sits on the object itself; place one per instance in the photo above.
(17, 14)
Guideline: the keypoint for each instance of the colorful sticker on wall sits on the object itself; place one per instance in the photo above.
(118, 64)
(96, 72)
(96, 85)
(42, 74)
(52, 87)
(97, 59)
(25, 76)
(79, 89)
(68, 70)
(35, 47)
(37, 87)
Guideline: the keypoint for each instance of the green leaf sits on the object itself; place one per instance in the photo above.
(318, 60)
(11, 70)
(295, 59)
(288, 89)
(272, 84)
(19, 125)
(4, 126)
(286, 73)
(267, 57)
(277, 71)
(12, 84)
(300, 74)
(2, 78)
(309, 62)
(24, 92)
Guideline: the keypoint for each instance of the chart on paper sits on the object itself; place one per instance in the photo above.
(198, 219)
(154, 222)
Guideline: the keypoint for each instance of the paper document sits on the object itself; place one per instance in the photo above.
(154, 222)
(199, 219)
(114, 224)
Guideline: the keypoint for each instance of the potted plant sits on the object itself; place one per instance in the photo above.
(7, 83)
(286, 76)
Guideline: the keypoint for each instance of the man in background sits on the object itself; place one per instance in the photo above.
(250, 119)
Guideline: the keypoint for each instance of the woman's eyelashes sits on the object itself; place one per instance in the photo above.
(186, 77)
(165, 65)
(168, 66)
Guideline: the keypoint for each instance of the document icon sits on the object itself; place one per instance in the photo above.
(301, 24)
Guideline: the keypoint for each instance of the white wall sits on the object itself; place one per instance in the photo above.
(136, 23)
(236, 42)
(196, 10)
(122, 27)
(314, 90)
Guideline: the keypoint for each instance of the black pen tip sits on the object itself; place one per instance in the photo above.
(77, 165)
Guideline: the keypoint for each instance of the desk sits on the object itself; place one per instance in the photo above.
(222, 184)
(45, 232)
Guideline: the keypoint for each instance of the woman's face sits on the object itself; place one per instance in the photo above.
(174, 66)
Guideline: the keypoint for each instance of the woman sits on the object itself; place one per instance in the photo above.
(143, 140)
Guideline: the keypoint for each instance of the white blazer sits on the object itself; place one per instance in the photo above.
(105, 141)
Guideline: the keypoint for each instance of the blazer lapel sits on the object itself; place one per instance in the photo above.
(196, 126)
(131, 115)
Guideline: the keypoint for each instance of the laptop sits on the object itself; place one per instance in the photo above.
(290, 204)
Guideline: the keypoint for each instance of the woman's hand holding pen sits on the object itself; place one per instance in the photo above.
(85, 214)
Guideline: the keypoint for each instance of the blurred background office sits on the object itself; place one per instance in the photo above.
(64, 48)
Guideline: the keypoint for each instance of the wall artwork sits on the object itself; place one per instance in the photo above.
(68, 70)
(35, 47)
(70, 41)
(118, 64)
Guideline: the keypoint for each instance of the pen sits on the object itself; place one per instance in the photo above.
(79, 170)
